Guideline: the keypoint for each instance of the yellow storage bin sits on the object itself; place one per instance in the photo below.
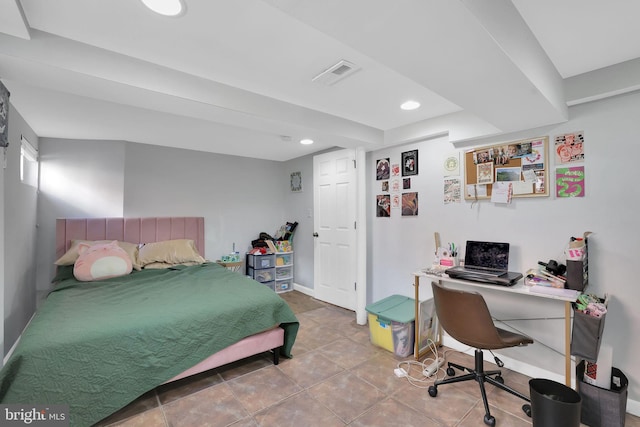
(391, 324)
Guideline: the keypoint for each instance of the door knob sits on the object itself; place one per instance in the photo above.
(315, 234)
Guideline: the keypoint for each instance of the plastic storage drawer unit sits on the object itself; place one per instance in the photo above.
(271, 285)
(263, 275)
(391, 324)
(261, 261)
(283, 285)
(284, 272)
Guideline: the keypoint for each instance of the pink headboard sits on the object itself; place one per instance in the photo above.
(132, 230)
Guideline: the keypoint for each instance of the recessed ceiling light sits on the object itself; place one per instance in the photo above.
(166, 7)
(306, 141)
(410, 105)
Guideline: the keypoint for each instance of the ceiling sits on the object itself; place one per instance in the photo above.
(235, 77)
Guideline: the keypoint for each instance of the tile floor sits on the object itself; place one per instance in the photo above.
(335, 378)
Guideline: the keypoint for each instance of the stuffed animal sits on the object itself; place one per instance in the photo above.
(101, 261)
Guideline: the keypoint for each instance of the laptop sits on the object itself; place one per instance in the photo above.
(486, 262)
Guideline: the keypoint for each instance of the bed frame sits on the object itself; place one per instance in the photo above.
(156, 229)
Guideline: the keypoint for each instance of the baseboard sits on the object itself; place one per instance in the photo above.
(15, 344)
(633, 406)
(304, 290)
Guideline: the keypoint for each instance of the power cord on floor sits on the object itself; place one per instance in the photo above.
(427, 371)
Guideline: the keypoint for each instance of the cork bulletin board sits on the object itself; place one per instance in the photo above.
(521, 165)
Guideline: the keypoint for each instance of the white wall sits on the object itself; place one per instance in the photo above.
(537, 228)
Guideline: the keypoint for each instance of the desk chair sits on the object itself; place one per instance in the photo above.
(465, 316)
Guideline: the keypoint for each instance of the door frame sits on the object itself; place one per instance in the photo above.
(361, 235)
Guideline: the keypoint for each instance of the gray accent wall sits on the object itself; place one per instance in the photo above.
(19, 202)
(78, 178)
(238, 196)
(301, 210)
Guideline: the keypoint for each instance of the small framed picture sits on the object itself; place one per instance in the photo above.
(296, 182)
(383, 169)
(410, 163)
(485, 173)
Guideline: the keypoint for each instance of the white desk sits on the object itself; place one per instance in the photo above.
(520, 288)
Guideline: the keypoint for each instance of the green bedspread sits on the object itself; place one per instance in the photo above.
(97, 346)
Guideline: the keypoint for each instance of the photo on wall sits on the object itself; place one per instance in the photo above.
(508, 174)
(410, 204)
(383, 169)
(484, 173)
(569, 147)
(410, 163)
(570, 181)
(383, 205)
(296, 182)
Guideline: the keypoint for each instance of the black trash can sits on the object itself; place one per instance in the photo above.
(553, 404)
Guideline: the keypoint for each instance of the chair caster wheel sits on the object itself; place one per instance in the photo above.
(490, 420)
(499, 379)
(450, 371)
(527, 409)
(433, 391)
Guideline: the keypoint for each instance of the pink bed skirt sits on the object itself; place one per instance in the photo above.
(258, 343)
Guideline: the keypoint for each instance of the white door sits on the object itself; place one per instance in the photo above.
(334, 200)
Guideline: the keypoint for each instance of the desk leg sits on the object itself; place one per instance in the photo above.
(567, 343)
(416, 350)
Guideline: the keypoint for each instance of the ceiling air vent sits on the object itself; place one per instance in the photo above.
(335, 73)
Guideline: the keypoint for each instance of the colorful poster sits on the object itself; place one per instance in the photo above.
(536, 159)
(410, 163)
(452, 190)
(382, 169)
(569, 147)
(395, 169)
(410, 204)
(570, 181)
(383, 205)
